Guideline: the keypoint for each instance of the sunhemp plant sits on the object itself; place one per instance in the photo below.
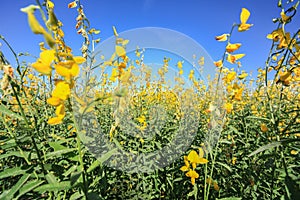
(57, 60)
(232, 82)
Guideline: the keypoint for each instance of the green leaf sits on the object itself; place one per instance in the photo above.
(74, 177)
(59, 152)
(265, 147)
(64, 185)
(16, 187)
(230, 198)
(224, 165)
(93, 166)
(51, 179)
(11, 172)
(28, 187)
(14, 153)
(107, 155)
(76, 195)
(93, 196)
(57, 146)
(70, 170)
(6, 111)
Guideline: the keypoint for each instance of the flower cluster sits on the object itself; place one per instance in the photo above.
(193, 159)
(58, 58)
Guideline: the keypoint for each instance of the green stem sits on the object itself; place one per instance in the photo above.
(15, 139)
(15, 55)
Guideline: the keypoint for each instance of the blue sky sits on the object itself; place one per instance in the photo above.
(198, 19)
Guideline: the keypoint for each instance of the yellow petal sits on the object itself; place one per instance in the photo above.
(244, 27)
(34, 25)
(233, 47)
(193, 156)
(222, 38)
(73, 4)
(294, 152)
(42, 68)
(192, 174)
(54, 101)
(50, 4)
(62, 90)
(202, 161)
(184, 168)
(79, 59)
(218, 63)
(120, 51)
(63, 71)
(263, 128)
(115, 31)
(60, 110)
(201, 152)
(75, 70)
(47, 56)
(245, 14)
(55, 120)
(179, 64)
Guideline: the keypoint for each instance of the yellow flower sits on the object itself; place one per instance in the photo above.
(114, 75)
(243, 75)
(233, 47)
(218, 63)
(55, 120)
(284, 77)
(245, 14)
(54, 101)
(233, 58)
(228, 107)
(191, 75)
(179, 65)
(193, 175)
(120, 51)
(60, 112)
(73, 4)
(284, 17)
(238, 94)
(294, 152)
(43, 64)
(263, 128)
(195, 159)
(230, 77)
(222, 38)
(34, 25)
(69, 68)
(233, 160)
(62, 90)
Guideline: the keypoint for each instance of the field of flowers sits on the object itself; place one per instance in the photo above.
(60, 134)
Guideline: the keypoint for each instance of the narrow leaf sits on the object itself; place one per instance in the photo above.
(265, 147)
(17, 186)
(10, 113)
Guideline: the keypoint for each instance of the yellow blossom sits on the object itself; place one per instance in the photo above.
(243, 75)
(193, 175)
(62, 90)
(263, 127)
(233, 58)
(245, 14)
(43, 64)
(69, 68)
(228, 107)
(195, 159)
(222, 37)
(218, 63)
(233, 47)
(230, 77)
(54, 101)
